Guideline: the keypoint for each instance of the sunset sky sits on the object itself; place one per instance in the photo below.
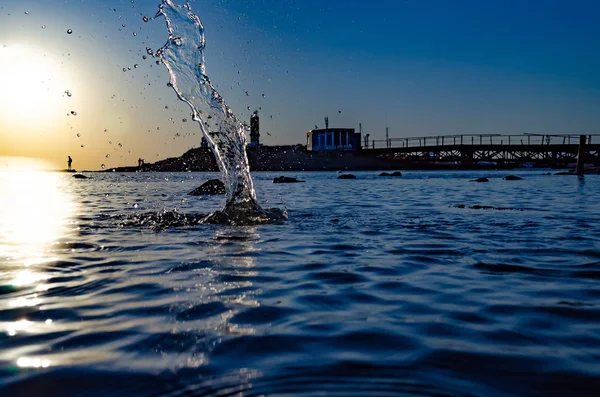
(425, 67)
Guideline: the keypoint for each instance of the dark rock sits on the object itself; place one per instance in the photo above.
(286, 179)
(347, 176)
(481, 207)
(80, 176)
(480, 180)
(213, 186)
(396, 173)
(512, 178)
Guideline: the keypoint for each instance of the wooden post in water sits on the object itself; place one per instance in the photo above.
(581, 155)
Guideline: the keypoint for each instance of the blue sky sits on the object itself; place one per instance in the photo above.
(423, 66)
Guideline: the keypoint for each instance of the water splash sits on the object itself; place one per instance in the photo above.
(183, 55)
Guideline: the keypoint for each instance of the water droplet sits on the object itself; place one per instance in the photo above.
(82, 145)
(145, 19)
(248, 108)
(103, 167)
(144, 57)
(108, 156)
(78, 135)
(135, 205)
(135, 33)
(105, 130)
(110, 142)
(43, 26)
(120, 145)
(136, 66)
(74, 113)
(68, 93)
(247, 93)
(263, 95)
(26, 12)
(184, 120)
(149, 51)
(178, 41)
(124, 69)
(69, 31)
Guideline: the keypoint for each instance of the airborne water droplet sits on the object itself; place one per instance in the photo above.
(263, 95)
(68, 93)
(108, 155)
(69, 31)
(103, 167)
(74, 113)
(43, 26)
(178, 41)
(136, 66)
(78, 135)
(120, 145)
(145, 18)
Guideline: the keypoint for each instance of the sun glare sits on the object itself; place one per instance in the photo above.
(32, 85)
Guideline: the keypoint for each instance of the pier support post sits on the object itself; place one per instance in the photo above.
(581, 155)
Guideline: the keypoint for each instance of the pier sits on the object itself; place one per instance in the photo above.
(535, 149)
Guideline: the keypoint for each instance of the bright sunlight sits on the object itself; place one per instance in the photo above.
(32, 85)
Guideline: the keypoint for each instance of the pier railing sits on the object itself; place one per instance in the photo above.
(480, 140)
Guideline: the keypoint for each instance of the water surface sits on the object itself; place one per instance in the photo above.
(374, 286)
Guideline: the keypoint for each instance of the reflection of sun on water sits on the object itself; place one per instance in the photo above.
(35, 212)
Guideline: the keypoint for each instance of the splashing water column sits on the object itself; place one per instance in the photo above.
(183, 55)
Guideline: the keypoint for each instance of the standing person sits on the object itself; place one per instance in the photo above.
(69, 162)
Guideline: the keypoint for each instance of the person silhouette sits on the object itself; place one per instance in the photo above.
(69, 162)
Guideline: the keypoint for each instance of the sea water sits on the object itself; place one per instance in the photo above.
(373, 286)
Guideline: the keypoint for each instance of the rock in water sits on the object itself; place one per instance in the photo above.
(396, 173)
(286, 179)
(385, 174)
(246, 214)
(512, 178)
(347, 176)
(210, 187)
(480, 180)
(80, 176)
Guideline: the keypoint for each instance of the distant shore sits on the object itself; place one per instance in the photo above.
(296, 158)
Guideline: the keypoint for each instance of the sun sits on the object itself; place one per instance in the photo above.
(32, 86)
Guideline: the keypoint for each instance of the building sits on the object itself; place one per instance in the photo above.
(254, 129)
(333, 139)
